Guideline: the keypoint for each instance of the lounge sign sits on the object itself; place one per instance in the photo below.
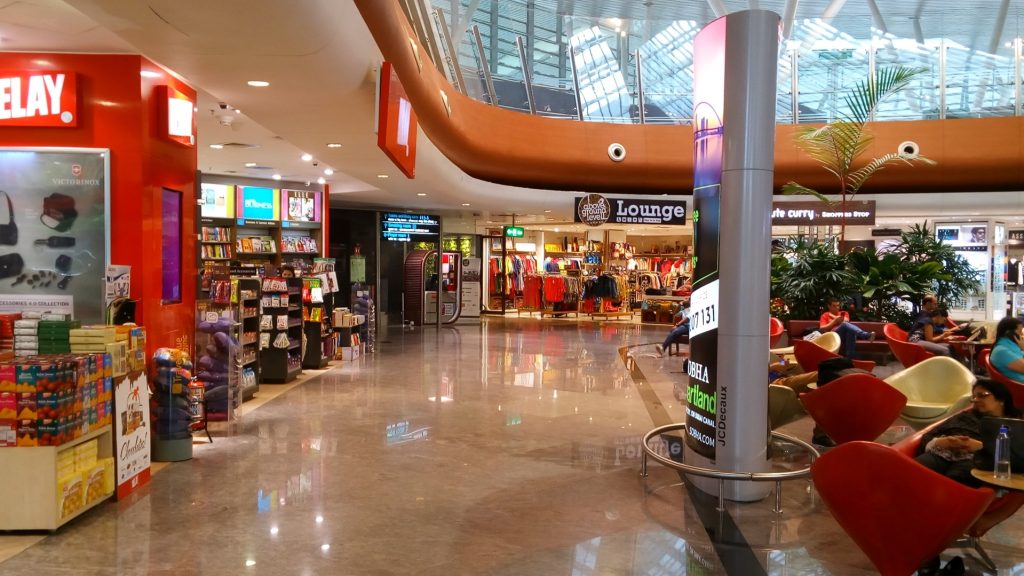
(594, 210)
(818, 213)
(36, 98)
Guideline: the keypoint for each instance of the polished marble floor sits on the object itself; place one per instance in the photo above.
(506, 448)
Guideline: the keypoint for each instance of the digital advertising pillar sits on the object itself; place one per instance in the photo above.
(735, 62)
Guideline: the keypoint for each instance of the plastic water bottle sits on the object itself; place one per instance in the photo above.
(1002, 469)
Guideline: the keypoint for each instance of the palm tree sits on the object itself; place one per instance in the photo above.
(838, 146)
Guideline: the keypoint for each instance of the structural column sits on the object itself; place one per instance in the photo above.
(735, 64)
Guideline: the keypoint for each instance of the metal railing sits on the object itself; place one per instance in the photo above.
(640, 71)
(722, 476)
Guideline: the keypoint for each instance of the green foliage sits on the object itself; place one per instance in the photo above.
(955, 278)
(814, 273)
(838, 146)
(888, 284)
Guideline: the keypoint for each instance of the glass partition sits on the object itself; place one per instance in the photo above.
(579, 61)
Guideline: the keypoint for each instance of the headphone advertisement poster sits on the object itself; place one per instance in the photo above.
(53, 228)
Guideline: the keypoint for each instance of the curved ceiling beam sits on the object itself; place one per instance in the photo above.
(517, 149)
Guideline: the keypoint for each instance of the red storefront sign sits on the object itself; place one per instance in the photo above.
(38, 98)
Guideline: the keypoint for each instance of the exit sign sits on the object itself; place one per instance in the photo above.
(514, 231)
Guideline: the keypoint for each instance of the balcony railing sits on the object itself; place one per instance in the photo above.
(522, 55)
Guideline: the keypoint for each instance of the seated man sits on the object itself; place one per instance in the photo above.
(680, 328)
(838, 321)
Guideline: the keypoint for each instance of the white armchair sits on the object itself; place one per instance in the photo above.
(935, 388)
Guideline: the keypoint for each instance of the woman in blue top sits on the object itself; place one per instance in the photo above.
(1007, 356)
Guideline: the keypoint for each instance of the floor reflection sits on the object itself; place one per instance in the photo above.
(508, 448)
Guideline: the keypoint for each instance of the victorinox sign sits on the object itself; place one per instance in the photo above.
(38, 98)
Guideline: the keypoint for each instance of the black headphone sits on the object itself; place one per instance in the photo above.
(9, 231)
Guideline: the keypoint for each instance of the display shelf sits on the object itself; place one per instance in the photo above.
(28, 493)
(257, 253)
(276, 368)
(215, 242)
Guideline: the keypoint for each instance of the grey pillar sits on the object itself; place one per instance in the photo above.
(735, 69)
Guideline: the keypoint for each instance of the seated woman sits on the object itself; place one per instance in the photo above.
(949, 448)
(1007, 356)
(929, 332)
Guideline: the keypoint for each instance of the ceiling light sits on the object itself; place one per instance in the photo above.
(195, 108)
(276, 176)
(382, 176)
(325, 547)
(258, 83)
(334, 145)
(421, 193)
(237, 111)
(250, 164)
(328, 172)
(216, 146)
(321, 181)
(547, 211)
(149, 74)
(250, 563)
(307, 157)
(556, 229)
(273, 530)
(465, 203)
(319, 519)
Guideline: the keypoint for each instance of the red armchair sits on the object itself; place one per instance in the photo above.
(1016, 388)
(775, 330)
(809, 355)
(907, 353)
(1000, 509)
(899, 513)
(854, 407)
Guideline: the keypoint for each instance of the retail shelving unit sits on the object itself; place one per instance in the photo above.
(249, 340)
(219, 309)
(29, 499)
(281, 362)
(316, 323)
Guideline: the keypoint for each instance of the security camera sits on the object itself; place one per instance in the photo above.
(909, 149)
(225, 119)
(315, 163)
(223, 105)
(616, 152)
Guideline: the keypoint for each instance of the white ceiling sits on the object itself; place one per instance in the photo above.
(321, 62)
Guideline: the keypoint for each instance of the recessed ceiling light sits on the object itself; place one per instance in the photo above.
(321, 181)
(276, 176)
(382, 176)
(547, 211)
(195, 108)
(328, 172)
(258, 83)
(250, 563)
(556, 229)
(216, 146)
(307, 157)
(237, 111)
(334, 145)
(421, 193)
(465, 203)
(325, 547)
(250, 164)
(150, 74)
